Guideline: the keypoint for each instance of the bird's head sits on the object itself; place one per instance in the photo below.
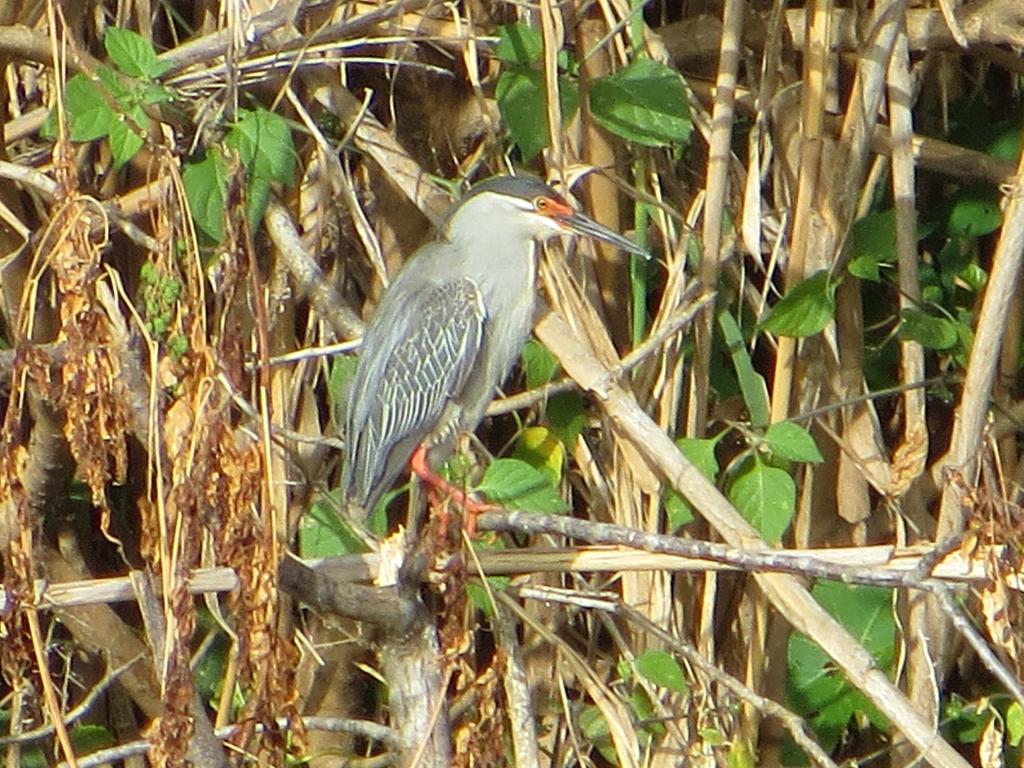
(522, 206)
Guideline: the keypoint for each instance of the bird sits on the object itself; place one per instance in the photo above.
(449, 329)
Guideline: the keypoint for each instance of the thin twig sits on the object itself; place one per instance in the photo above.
(362, 728)
(964, 626)
(82, 708)
(753, 560)
(650, 345)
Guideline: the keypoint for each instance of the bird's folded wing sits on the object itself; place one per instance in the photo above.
(403, 391)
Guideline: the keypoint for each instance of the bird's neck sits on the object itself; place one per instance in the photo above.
(498, 255)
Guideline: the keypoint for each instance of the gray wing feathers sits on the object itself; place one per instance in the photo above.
(405, 381)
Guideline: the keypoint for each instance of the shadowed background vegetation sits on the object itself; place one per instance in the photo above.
(200, 205)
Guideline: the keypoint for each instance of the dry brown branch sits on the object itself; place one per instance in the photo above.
(203, 747)
(390, 612)
(879, 565)
(308, 276)
(982, 24)
(331, 725)
(522, 715)
(22, 42)
(719, 162)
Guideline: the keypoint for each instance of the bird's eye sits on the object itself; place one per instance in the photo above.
(542, 204)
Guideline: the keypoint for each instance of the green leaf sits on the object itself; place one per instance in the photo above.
(975, 276)
(477, 590)
(343, 368)
(124, 143)
(938, 278)
(121, 92)
(864, 268)
(701, 453)
(323, 533)
(263, 141)
(478, 596)
(205, 184)
(965, 334)
(90, 117)
(33, 757)
(740, 756)
(567, 415)
(712, 736)
(867, 612)
(873, 244)
(752, 384)
(519, 44)
(644, 713)
(805, 309)
(541, 449)
(593, 725)
(1014, 724)
(1005, 143)
(622, 669)
(766, 497)
(517, 485)
(209, 670)
(520, 97)
(126, 137)
(523, 105)
(967, 720)
(594, 728)
(976, 127)
(539, 364)
(929, 331)
(155, 94)
(89, 738)
(480, 593)
(792, 442)
(814, 687)
(48, 130)
(975, 211)
(663, 670)
(133, 54)
(678, 511)
(644, 103)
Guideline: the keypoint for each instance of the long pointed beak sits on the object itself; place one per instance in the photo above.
(584, 225)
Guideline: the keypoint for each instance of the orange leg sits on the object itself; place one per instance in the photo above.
(439, 486)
